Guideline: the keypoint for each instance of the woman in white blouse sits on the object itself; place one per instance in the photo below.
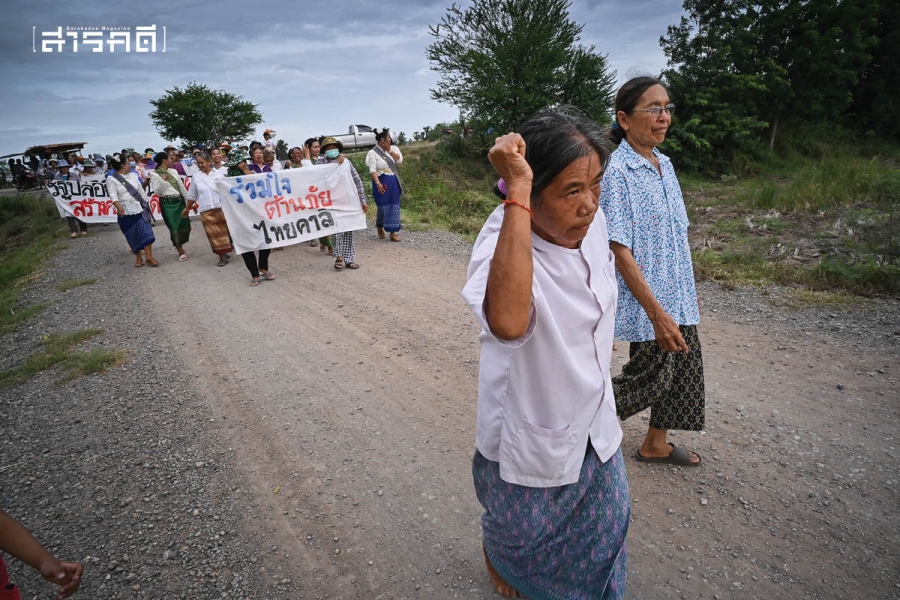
(167, 184)
(206, 197)
(548, 469)
(126, 194)
(382, 161)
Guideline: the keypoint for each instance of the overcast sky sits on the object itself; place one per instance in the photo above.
(311, 67)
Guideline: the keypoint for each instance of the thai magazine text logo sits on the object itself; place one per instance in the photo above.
(141, 38)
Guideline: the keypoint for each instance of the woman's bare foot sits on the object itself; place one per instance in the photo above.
(503, 588)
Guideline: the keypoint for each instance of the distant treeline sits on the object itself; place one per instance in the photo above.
(780, 75)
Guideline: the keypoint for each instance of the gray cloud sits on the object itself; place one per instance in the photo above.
(312, 68)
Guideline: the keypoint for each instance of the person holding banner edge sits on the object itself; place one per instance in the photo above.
(259, 269)
(165, 182)
(125, 192)
(344, 248)
(206, 198)
(65, 174)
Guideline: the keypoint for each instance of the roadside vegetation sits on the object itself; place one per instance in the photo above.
(30, 232)
(69, 284)
(58, 350)
(826, 225)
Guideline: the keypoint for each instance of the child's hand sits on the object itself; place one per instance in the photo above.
(67, 575)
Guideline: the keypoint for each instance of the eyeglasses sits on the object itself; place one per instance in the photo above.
(657, 111)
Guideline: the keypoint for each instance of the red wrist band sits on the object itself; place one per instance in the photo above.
(517, 203)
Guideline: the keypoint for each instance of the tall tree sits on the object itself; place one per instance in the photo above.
(198, 114)
(281, 150)
(875, 108)
(501, 61)
(742, 70)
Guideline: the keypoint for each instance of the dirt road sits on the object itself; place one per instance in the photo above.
(349, 400)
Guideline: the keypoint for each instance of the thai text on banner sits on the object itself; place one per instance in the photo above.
(270, 210)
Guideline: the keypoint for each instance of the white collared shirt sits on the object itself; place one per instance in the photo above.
(542, 396)
(376, 164)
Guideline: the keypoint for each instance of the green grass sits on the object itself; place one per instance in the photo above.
(57, 350)
(67, 284)
(831, 182)
(442, 190)
(825, 223)
(30, 232)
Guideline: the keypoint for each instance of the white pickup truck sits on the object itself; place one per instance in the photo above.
(359, 137)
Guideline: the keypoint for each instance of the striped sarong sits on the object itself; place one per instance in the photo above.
(216, 230)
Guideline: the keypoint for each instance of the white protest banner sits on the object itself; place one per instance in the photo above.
(88, 200)
(270, 210)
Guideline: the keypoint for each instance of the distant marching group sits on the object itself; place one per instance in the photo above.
(132, 177)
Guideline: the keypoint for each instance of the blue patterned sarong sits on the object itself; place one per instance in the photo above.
(558, 543)
(388, 213)
(138, 232)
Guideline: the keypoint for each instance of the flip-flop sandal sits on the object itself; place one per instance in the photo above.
(255, 282)
(268, 275)
(183, 258)
(679, 456)
(136, 265)
(352, 265)
(73, 235)
(152, 262)
(314, 243)
(339, 264)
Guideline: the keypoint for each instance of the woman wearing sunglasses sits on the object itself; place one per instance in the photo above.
(658, 311)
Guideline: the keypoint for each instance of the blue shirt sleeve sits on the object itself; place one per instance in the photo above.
(616, 204)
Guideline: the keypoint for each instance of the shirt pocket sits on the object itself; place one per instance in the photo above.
(537, 451)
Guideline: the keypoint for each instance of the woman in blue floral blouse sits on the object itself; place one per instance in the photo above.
(658, 311)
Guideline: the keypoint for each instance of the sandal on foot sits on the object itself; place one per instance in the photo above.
(152, 262)
(138, 264)
(679, 456)
(267, 275)
(183, 258)
(73, 235)
(255, 281)
(395, 237)
(503, 588)
(313, 243)
(339, 264)
(352, 265)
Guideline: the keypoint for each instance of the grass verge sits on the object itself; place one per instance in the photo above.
(68, 284)
(441, 190)
(30, 232)
(57, 350)
(825, 224)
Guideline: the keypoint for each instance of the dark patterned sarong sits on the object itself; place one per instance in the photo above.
(179, 227)
(558, 543)
(670, 383)
(216, 230)
(388, 214)
(138, 232)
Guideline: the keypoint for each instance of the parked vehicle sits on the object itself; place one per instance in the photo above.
(27, 180)
(359, 137)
